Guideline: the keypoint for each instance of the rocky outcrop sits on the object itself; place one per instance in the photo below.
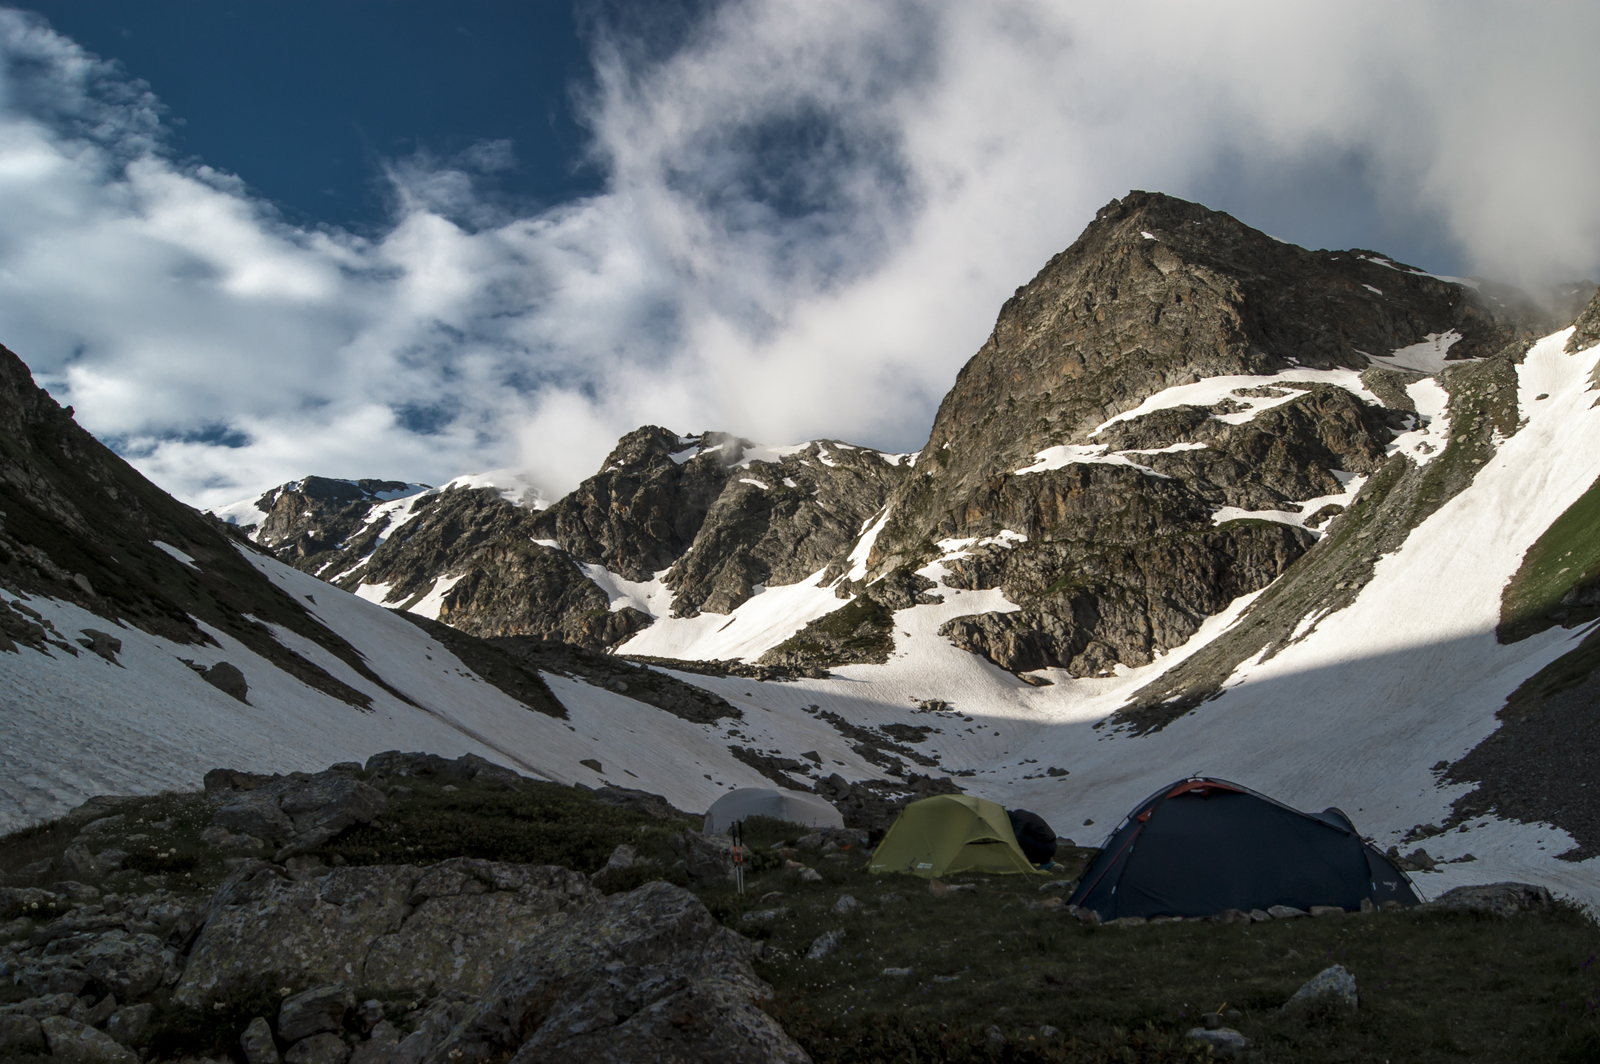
(396, 927)
(300, 812)
(643, 976)
(311, 519)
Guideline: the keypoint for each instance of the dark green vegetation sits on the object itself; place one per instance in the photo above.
(1434, 986)
(1562, 565)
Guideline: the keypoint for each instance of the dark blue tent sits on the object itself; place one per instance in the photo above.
(1202, 845)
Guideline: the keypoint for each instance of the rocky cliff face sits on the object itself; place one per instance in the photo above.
(1129, 544)
(712, 516)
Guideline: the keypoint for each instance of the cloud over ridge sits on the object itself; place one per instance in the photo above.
(811, 215)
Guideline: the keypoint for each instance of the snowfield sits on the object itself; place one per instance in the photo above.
(1352, 713)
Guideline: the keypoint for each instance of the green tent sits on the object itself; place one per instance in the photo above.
(950, 833)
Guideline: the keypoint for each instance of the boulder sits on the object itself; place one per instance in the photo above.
(648, 975)
(227, 679)
(324, 805)
(80, 862)
(1332, 986)
(708, 859)
(257, 1043)
(20, 1035)
(52, 975)
(379, 1048)
(127, 965)
(322, 1048)
(299, 812)
(1495, 899)
(1284, 912)
(824, 944)
(622, 858)
(72, 1042)
(255, 813)
(429, 1028)
(468, 918)
(130, 1025)
(322, 1008)
(390, 928)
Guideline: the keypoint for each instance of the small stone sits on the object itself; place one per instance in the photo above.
(1047, 1032)
(1284, 912)
(1225, 1042)
(769, 897)
(1367, 906)
(897, 973)
(824, 944)
(890, 899)
(845, 905)
(995, 1037)
(1327, 910)
(762, 917)
(621, 858)
(1331, 986)
(1052, 903)
(370, 1014)
(257, 1043)
(1231, 916)
(324, 1048)
(1087, 916)
(111, 860)
(1259, 916)
(1127, 921)
(313, 1011)
(937, 889)
(1062, 885)
(810, 875)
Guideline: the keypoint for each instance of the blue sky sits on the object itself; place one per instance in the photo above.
(403, 239)
(307, 99)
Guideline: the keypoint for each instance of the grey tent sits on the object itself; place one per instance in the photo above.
(1199, 846)
(796, 807)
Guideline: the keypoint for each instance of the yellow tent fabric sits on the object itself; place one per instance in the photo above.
(950, 833)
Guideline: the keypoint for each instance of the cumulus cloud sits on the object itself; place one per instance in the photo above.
(812, 214)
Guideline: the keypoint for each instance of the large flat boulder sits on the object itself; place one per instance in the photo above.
(400, 928)
(647, 976)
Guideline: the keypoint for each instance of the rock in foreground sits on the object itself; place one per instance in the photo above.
(644, 976)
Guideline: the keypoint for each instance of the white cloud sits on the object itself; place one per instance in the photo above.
(812, 215)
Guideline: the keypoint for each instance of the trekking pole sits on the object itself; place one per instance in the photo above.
(738, 855)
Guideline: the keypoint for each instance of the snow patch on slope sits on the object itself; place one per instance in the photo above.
(1425, 357)
(1214, 390)
(768, 617)
(649, 596)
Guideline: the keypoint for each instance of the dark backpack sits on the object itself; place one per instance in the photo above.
(1037, 839)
